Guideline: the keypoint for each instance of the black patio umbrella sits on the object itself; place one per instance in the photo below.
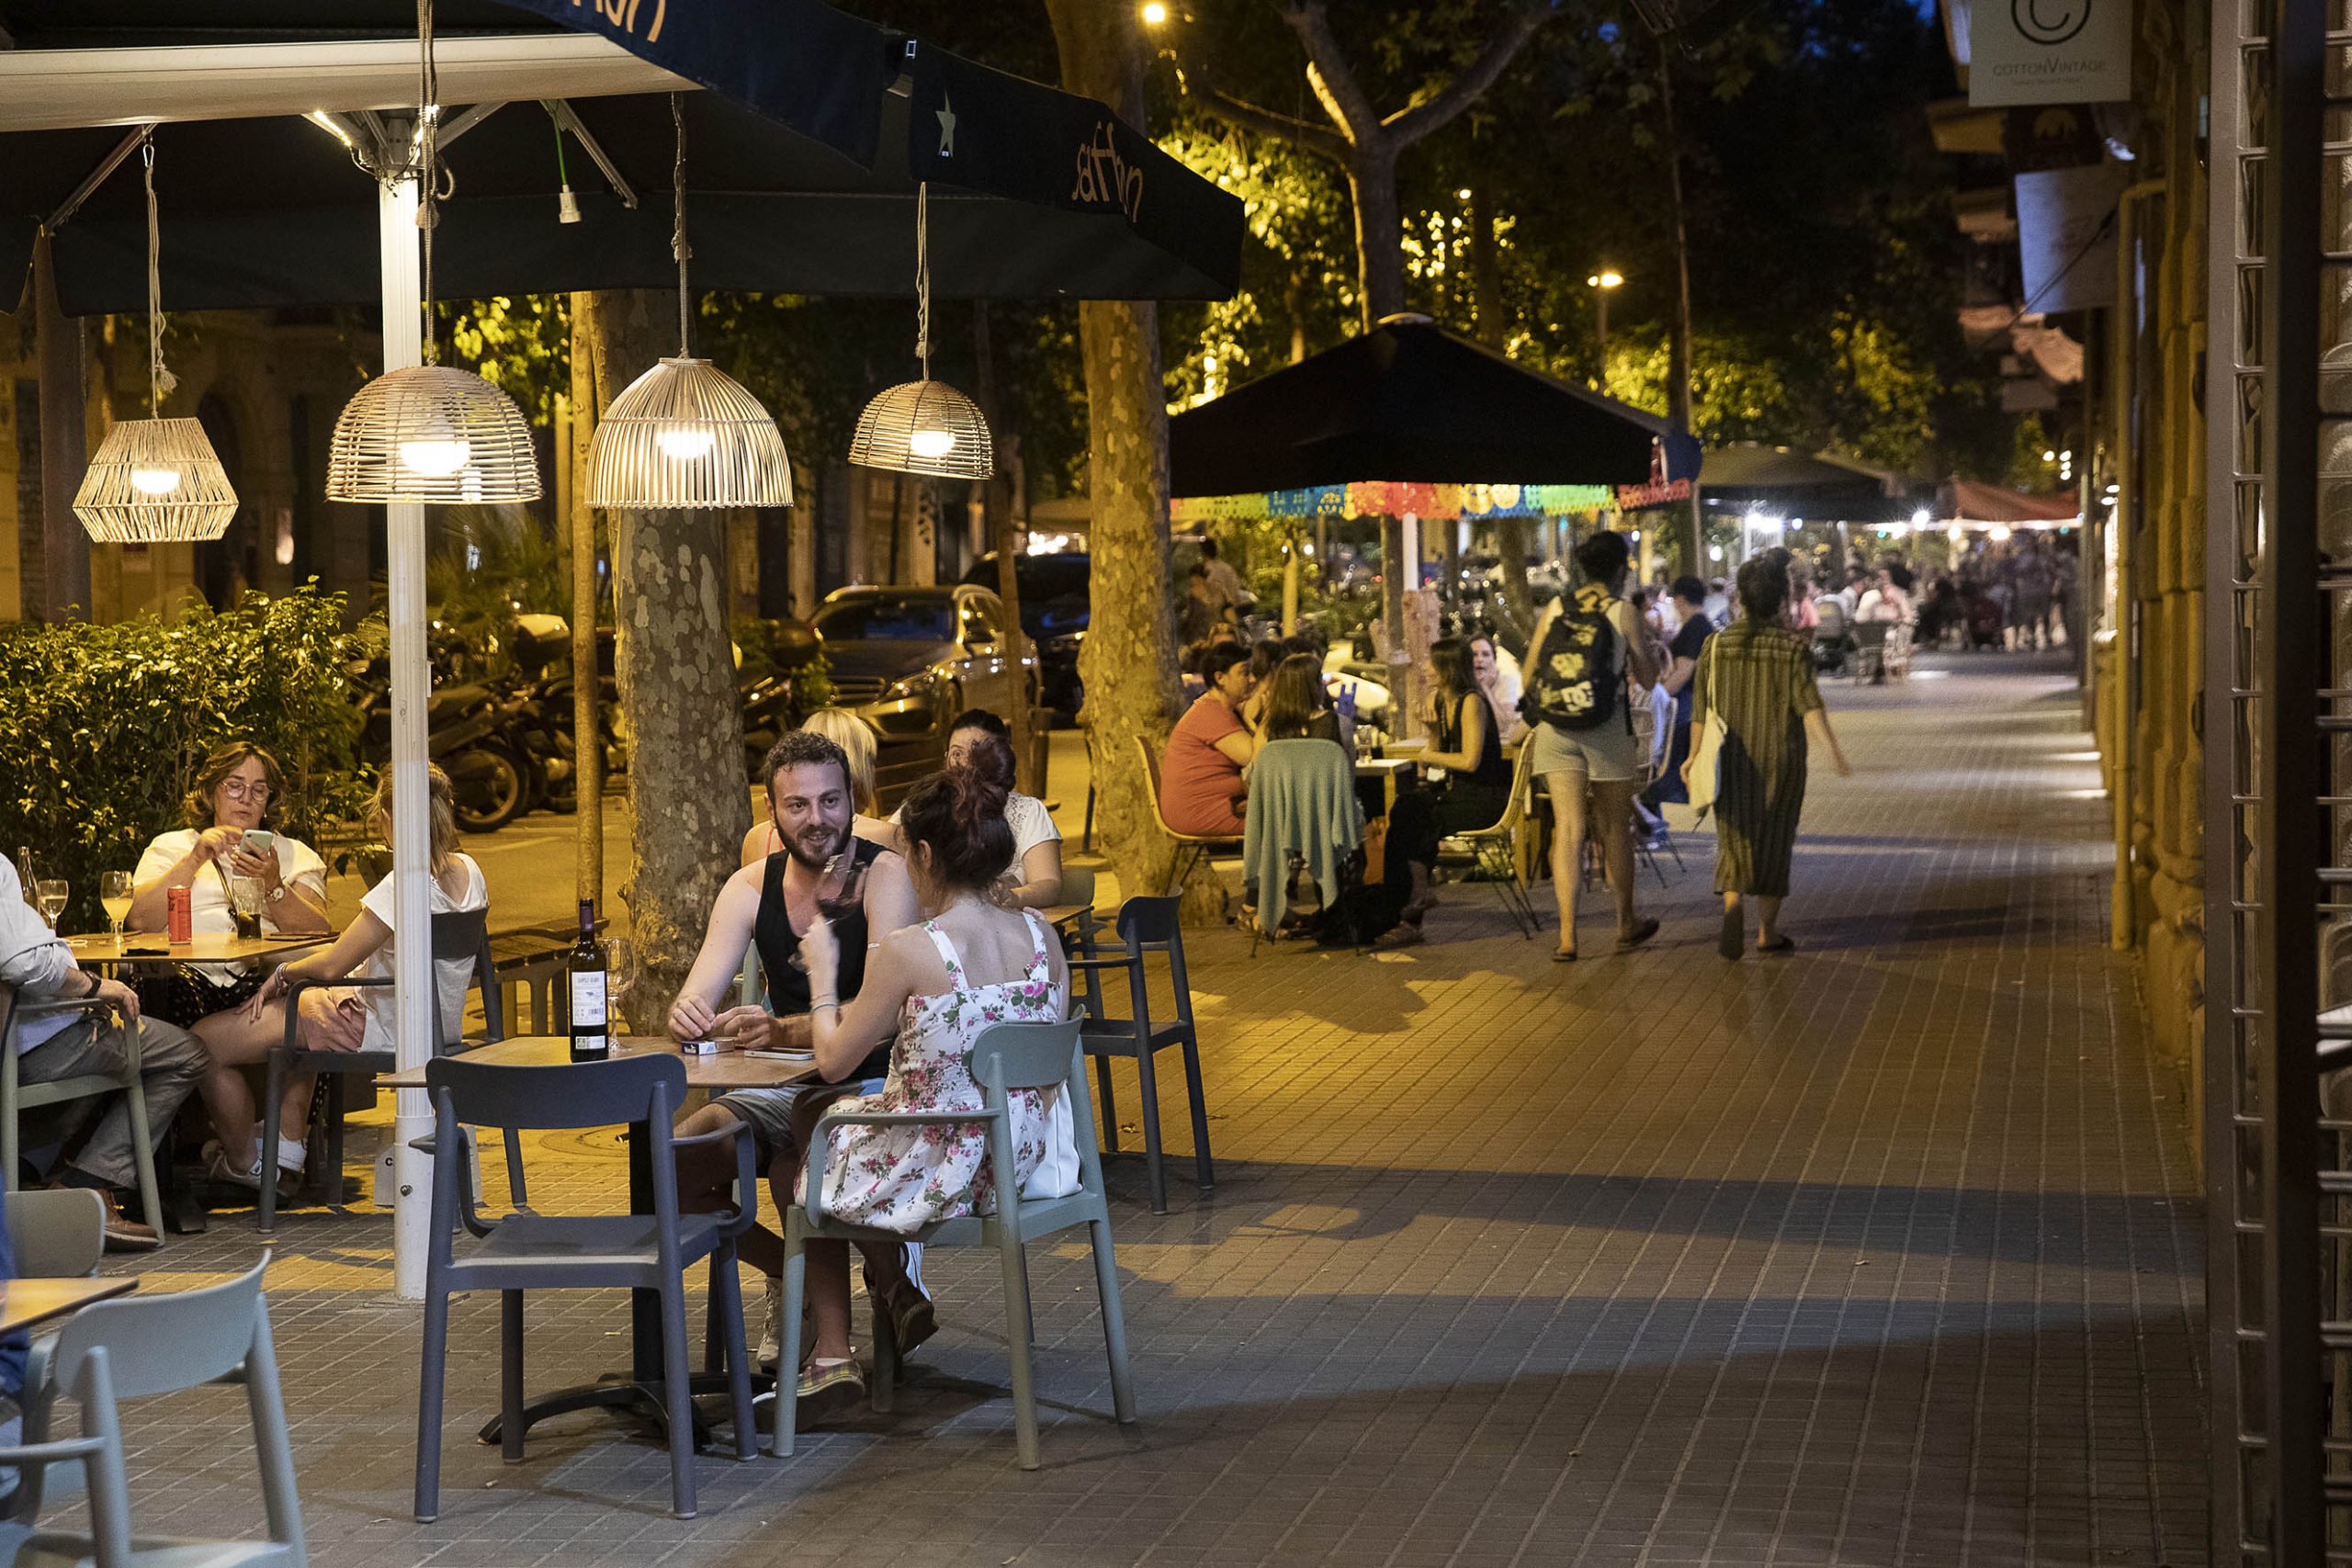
(1410, 400)
(268, 212)
(1824, 488)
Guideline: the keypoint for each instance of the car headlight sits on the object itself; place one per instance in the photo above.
(911, 686)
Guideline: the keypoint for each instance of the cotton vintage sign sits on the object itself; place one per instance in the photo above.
(2049, 51)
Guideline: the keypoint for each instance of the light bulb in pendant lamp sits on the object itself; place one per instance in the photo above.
(686, 435)
(156, 481)
(925, 427)
(433, 435)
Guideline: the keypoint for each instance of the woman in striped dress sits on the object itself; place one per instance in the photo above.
(1757, 678)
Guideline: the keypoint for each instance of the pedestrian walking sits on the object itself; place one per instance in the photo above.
(1758, 679)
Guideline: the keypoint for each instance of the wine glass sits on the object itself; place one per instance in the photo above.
(114, 895)
(620, 976)
(51, 892)
(830, 906)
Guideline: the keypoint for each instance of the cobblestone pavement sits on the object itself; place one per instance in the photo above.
(1882, 1253)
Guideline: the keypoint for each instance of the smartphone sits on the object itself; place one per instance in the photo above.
(260, 841)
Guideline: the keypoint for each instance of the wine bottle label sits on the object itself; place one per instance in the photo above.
(588, 999)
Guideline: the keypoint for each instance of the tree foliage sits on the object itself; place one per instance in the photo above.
(109, 722)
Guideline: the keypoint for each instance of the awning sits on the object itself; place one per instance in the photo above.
(1824, 488)
(1410, 402)
(1973, 501)
(265, 209)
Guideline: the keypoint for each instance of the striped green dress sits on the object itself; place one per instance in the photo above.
(1761, 679)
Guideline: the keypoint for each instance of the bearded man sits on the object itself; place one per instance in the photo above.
(863, 889)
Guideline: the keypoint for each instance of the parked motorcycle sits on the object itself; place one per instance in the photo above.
(470, 732)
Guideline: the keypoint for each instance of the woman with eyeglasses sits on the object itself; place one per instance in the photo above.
(228, 838)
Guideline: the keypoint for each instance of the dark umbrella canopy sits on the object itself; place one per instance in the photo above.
(1825, 488)
(1409, 400)
(270, 211)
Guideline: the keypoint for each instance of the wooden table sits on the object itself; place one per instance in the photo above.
(640, 1389)
(25, 1302)
(1388, 770)
(107, 951)
(726, 1070)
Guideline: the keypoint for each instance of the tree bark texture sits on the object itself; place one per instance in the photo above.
(1511, 543)
(1380, 246)
(1129, 661)
(1486, 270)
(685, 777)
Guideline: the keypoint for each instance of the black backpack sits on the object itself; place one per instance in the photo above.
(1574, 680)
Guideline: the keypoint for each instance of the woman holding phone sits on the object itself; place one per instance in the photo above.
(226, 840)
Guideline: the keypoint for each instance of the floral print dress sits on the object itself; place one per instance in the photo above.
(902, 1178)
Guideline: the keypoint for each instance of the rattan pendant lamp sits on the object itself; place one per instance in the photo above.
(156, 481)
(926, 426)
(686, 433)
(430, 434)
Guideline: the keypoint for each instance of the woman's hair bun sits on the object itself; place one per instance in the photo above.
(959, 813)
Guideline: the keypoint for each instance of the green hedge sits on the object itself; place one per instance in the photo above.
(102, 726)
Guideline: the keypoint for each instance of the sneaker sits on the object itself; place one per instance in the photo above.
(828, 1389)
(772, 1324)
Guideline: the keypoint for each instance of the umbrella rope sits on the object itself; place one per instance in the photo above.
(160, 381)
(678, 246)
(922, 275)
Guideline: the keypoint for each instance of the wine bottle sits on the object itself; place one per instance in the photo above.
(592, 1039)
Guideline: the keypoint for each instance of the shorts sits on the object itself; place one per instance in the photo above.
(768, 1113)
(1606, 753)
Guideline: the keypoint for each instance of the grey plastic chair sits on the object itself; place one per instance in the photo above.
(16, 1096)
(56, 1235)
(1006, 1056)
(458, 933)
(1146, 926)
(130, 1350)
(543, 1252)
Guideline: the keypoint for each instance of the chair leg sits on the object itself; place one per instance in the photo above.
(1016, 1336)
(1109, 1110)
(728, 1289)
(677, 1392)
(1204, 1170)
(886, 1359)
(510, 1376)
(1114, 1321)
(1148, 1089)
(327, 1172)
(143, 1152)
(430, 1377)
(714, 1327)
(8, 1149)
(788, 1366)
(271, 1092)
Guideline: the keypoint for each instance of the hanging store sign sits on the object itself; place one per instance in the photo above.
(2066, 236)
(2049, 51)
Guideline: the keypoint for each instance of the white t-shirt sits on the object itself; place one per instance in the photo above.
(451, 976)
(1030, 823)
(299, 866)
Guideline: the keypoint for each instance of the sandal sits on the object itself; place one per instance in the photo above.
(1778, 944)
(1564, 956)
(1643, 931)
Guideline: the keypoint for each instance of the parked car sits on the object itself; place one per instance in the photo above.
(908, 659)
(1056, 600)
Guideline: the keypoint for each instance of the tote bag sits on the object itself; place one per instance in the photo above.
(1706, 747)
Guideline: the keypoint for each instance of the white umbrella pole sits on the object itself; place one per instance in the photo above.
(412, 987)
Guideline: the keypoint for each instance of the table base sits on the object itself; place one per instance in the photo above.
(646, 1398)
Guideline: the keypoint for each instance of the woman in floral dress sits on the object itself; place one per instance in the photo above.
(934, 985)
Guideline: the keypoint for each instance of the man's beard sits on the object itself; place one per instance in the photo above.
(831, 845)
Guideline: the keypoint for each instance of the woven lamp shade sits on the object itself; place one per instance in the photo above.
(433, 435)
(686, 433)
(156, 481)
(925, 427)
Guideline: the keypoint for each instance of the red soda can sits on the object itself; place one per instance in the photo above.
(179, 915)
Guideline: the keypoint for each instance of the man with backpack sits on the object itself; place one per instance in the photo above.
(1582, 730)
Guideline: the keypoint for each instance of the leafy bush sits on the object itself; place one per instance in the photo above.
(101, 727)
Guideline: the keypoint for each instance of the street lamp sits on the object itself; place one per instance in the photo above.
(1600, 283)
(1155, 14)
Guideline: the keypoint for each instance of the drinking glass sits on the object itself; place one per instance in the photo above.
(51, 892)
(830, 906)
(620, 976)
(114, 894)
(244, 902)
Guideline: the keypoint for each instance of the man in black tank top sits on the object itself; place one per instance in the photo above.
(821, 868)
